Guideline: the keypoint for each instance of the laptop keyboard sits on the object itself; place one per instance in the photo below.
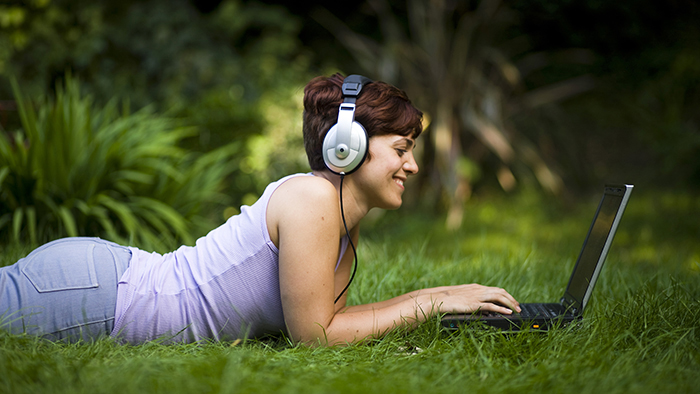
(534, 310)
(531, 311)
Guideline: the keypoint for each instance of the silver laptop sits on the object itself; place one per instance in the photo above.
(542, 316)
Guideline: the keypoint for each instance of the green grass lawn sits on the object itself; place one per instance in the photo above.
(641, 332)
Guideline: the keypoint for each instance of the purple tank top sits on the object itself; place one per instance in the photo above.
(223, 288)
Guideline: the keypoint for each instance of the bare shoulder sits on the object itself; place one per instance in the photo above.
(304, 190)
(300, 201)
(308, 186)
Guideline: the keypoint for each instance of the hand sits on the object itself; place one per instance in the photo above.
(472, 298)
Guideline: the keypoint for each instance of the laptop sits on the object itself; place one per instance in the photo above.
(543, 316)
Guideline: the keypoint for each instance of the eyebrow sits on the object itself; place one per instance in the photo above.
(408, 142)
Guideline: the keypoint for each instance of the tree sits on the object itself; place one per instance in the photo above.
(456, 60)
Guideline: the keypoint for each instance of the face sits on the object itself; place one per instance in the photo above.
(382, 177)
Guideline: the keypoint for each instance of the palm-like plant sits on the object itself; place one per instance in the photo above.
(76, 169)
(452, 61)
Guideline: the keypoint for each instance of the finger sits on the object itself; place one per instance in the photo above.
(491, 307)
(503, 299)
(509, 300)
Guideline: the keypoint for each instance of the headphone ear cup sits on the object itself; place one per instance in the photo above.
(359, 142)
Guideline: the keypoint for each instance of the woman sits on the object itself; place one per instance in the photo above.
(282, 265)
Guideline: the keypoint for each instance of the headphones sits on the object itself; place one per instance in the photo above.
(345, 144)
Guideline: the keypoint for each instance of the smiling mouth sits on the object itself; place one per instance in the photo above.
(398, 181)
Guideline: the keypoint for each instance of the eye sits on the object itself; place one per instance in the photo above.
(400, 152)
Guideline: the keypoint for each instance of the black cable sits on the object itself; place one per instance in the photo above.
(347, 233)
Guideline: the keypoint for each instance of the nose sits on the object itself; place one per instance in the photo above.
(410, 166)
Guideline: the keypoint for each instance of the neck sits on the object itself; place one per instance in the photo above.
(353, 208)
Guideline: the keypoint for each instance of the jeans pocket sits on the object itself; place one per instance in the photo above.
(61, 266)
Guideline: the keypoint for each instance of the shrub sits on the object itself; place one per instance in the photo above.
(76, 169)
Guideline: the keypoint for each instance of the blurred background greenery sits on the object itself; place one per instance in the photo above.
(558, 97)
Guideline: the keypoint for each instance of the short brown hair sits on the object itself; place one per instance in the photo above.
(381, 108)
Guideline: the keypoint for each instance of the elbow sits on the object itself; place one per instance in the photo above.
(323, 336)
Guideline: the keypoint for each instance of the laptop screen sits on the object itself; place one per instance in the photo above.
(596, 246)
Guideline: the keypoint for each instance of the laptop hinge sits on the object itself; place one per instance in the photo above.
(569, 306)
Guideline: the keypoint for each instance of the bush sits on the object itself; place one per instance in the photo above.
(76, 169)
(219, 65)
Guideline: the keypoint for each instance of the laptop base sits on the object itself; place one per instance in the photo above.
(516, 321)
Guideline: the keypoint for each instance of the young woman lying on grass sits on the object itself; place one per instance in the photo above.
(282, 265)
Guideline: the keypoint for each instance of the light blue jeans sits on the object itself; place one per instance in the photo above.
(63, 290)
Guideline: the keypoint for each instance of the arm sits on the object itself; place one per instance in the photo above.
(307, 223)
(440, 292)
(359, 322)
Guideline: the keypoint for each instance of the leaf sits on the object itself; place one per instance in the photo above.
(4, 172)
(26, 113)
(17, 217)
(165, 214)
(31, 222)
(122, 211)
(68, 221)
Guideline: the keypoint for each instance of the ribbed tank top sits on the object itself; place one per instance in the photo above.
(225, 287)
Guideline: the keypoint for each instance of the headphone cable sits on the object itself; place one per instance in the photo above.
(347, 233)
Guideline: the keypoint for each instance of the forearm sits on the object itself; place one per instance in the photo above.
(380, 304)
(360, 322)
(394, 300)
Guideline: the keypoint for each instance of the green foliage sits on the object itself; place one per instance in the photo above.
(159, 51)
(79, 169)
(225, 71)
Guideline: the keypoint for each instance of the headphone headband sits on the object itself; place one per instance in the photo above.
(352, 86)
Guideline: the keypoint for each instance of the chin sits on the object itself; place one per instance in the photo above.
(393, 206)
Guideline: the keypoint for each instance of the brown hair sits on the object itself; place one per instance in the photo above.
(381, 108)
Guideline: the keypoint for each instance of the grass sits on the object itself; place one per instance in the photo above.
(640, 334)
